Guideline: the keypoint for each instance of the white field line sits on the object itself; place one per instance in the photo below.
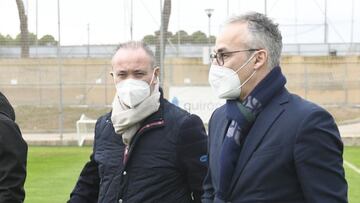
(352, 166)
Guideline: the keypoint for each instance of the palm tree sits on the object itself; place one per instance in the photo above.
(166, 18)
(24, 40)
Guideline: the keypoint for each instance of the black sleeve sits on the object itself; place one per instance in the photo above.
(192, 154)
(13, 156)
(208, 196)
(87, 187)
(318, 159)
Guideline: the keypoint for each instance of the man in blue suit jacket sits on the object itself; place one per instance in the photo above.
(266, 144)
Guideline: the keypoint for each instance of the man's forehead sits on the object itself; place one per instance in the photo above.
(233, 36)
(130, 69)
(131, 56)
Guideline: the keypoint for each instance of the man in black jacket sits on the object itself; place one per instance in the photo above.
(146, 149)
(13, 154)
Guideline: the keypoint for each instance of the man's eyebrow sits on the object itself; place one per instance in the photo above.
(223, 49)
(140, 70)
(120, 71)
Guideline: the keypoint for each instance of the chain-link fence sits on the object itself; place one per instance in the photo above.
(54, 82)
(86, 83)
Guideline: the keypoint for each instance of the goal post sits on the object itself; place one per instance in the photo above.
(85, 127)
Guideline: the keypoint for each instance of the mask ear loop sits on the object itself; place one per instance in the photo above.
(246, 63)
(252, 74)
(241, 67)
(247, 79)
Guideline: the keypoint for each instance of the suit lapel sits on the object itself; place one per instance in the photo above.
(263, 122)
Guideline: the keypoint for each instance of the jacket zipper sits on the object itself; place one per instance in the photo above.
(128, 150)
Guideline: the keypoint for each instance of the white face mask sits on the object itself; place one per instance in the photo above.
(132, 92)
(225, 82)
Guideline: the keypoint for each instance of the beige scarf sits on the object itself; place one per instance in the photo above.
(126, 121)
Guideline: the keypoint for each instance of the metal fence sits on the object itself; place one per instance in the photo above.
(59, 82)
(49, 89)
(176, 50)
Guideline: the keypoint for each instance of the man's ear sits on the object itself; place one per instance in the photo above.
(112, 74)
(157, 72)
(260, 59)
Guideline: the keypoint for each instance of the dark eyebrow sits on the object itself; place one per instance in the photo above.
(140, 71)
(122, 71)
(221, 50)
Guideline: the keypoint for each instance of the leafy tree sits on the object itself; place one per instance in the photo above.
(47, 40)
(6, 40)
(199, 37)
(149, 39)
(181, 37)
(2, 39)
(212, 39)
(31, 37)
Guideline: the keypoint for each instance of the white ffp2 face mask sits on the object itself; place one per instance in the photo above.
(225, 82)
(132, 92)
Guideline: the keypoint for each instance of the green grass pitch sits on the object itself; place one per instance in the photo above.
(53, 171)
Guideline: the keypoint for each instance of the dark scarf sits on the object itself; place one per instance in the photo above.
(242, 116)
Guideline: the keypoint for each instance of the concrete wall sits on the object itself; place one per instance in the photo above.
(86, 81)
(325, 80)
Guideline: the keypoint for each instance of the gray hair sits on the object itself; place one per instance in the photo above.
(138, 45)
(264, 34)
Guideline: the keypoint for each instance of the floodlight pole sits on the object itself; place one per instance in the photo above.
(265, 7)
(88, 41)
(352, 24)
(325, 24)
(161, 45)
(36, 39)
(209, 12)
(227, 8)
(61, 106)
(131, 20)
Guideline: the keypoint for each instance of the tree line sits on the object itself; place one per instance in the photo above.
(46, 40)
(181, 37)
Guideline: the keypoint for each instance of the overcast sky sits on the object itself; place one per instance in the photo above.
(109, 20)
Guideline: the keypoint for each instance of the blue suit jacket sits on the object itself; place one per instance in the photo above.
(292, 154)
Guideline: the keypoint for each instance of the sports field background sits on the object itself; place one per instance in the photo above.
(53, 171)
